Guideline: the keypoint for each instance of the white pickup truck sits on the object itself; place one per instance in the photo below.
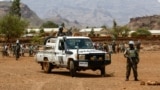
(75, 53)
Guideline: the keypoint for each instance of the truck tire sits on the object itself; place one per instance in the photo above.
(103, 72)
(47, 67)
(72, 69)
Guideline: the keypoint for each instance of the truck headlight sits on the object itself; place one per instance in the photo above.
(81, 57)
(100, 58)
(93, 58)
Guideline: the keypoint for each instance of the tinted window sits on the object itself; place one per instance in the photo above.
(79, 43)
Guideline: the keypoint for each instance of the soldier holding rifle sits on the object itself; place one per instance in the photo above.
(132, 56)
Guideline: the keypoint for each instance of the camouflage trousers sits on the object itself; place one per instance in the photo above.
(17, 54)
(131, 64)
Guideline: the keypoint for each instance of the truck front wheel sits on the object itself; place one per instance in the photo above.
(47, 67)
(72, 69)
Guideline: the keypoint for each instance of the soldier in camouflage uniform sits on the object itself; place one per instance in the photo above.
(132, 60)
(17, 49)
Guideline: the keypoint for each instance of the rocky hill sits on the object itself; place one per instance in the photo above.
(81, 14)
(150, 22)
(59, 20)
(26, 12)
(95, 12)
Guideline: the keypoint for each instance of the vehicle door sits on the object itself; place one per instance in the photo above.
(60, 53)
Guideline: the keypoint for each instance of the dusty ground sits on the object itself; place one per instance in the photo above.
(26, 74)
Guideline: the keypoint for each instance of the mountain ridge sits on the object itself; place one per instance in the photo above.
(88, 15)
(95, 12)
(26, 13)
(149, 22)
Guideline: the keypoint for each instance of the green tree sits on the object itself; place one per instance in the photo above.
(36, 40)
(141, 32)
(119, 31)
(104, 27)
(114, 34)
(134, 34)
(26, 32)
(92, 32)
(41, 30)
(114, 24)
(124, 31)
(12, 27)
(115, 30)
(32, 31)
(15, 8)
(49, 24)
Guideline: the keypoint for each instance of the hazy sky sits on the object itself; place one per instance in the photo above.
(121, 10)
(33, 0)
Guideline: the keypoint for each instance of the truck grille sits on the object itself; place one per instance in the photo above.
(94, 57)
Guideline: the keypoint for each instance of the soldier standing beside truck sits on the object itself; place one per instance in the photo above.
(132, 60)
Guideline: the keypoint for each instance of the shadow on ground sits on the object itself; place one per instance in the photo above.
(80, 74)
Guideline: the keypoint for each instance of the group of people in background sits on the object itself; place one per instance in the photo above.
(18, 49)
(115, 47)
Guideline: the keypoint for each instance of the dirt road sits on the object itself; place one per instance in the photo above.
(26, 74)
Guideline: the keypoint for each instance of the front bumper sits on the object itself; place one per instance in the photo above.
(88, 64)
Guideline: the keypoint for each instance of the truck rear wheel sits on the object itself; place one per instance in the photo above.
(103, 72)
(72, 69)
(47, 67)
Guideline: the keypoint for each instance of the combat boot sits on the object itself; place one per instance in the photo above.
(127, 78)
(136, 79)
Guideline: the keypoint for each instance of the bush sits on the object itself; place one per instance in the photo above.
(142, 32)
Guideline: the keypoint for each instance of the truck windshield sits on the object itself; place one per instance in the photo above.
(79, 43)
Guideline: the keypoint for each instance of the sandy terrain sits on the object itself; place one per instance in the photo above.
(26, 74)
